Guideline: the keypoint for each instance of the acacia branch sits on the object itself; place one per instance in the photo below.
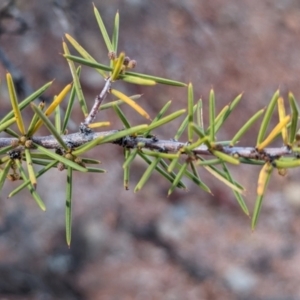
(166, 146)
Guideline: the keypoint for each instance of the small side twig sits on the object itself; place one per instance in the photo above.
(99, 99)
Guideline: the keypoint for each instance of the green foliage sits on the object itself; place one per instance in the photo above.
(23, 151)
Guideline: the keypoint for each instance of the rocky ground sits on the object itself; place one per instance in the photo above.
(146, 245)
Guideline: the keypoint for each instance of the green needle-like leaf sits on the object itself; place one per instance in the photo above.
(194, 170)
(225, 157)
(183, 125)
(223, 178)
(225, 113)
(197, 181)
(32, 191)
(26, 101)
(161, 154)
(202, 135)
(178, 178)
(252, 161)
(174, 162)
(209, 162)
(237, 195)
(40, 156)
(138, 80)
(219, 120)
(4, 173)
(70, 104)
(267, 117)
(115, 36)
(4, 150)
(69, 206)
(172, 175)
(40, 162)
(199, 111)
(121, 116)
(3, 160)
(60, 158)
(256, 212)
(159, 116)
(147, 174)
(87, 160)
(246, 127)
(241, 202)
(287, 163)
(30, 169)
(156, 79)
(263, 180)
(6, 124)
(295, 114)
(95, 170)
(222, 174)
(87, 60)
(190, 112)
(198, 143)
(15, 104)
(166, 119)
(233, 105)
(212, 110)
(129, 158)
(103, 30)
(76, 82)
(126, 169)
(122, 133)
(11, 132)
(57, 119)
(49, 126)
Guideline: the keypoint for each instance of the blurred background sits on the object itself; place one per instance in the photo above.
(146, 245)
